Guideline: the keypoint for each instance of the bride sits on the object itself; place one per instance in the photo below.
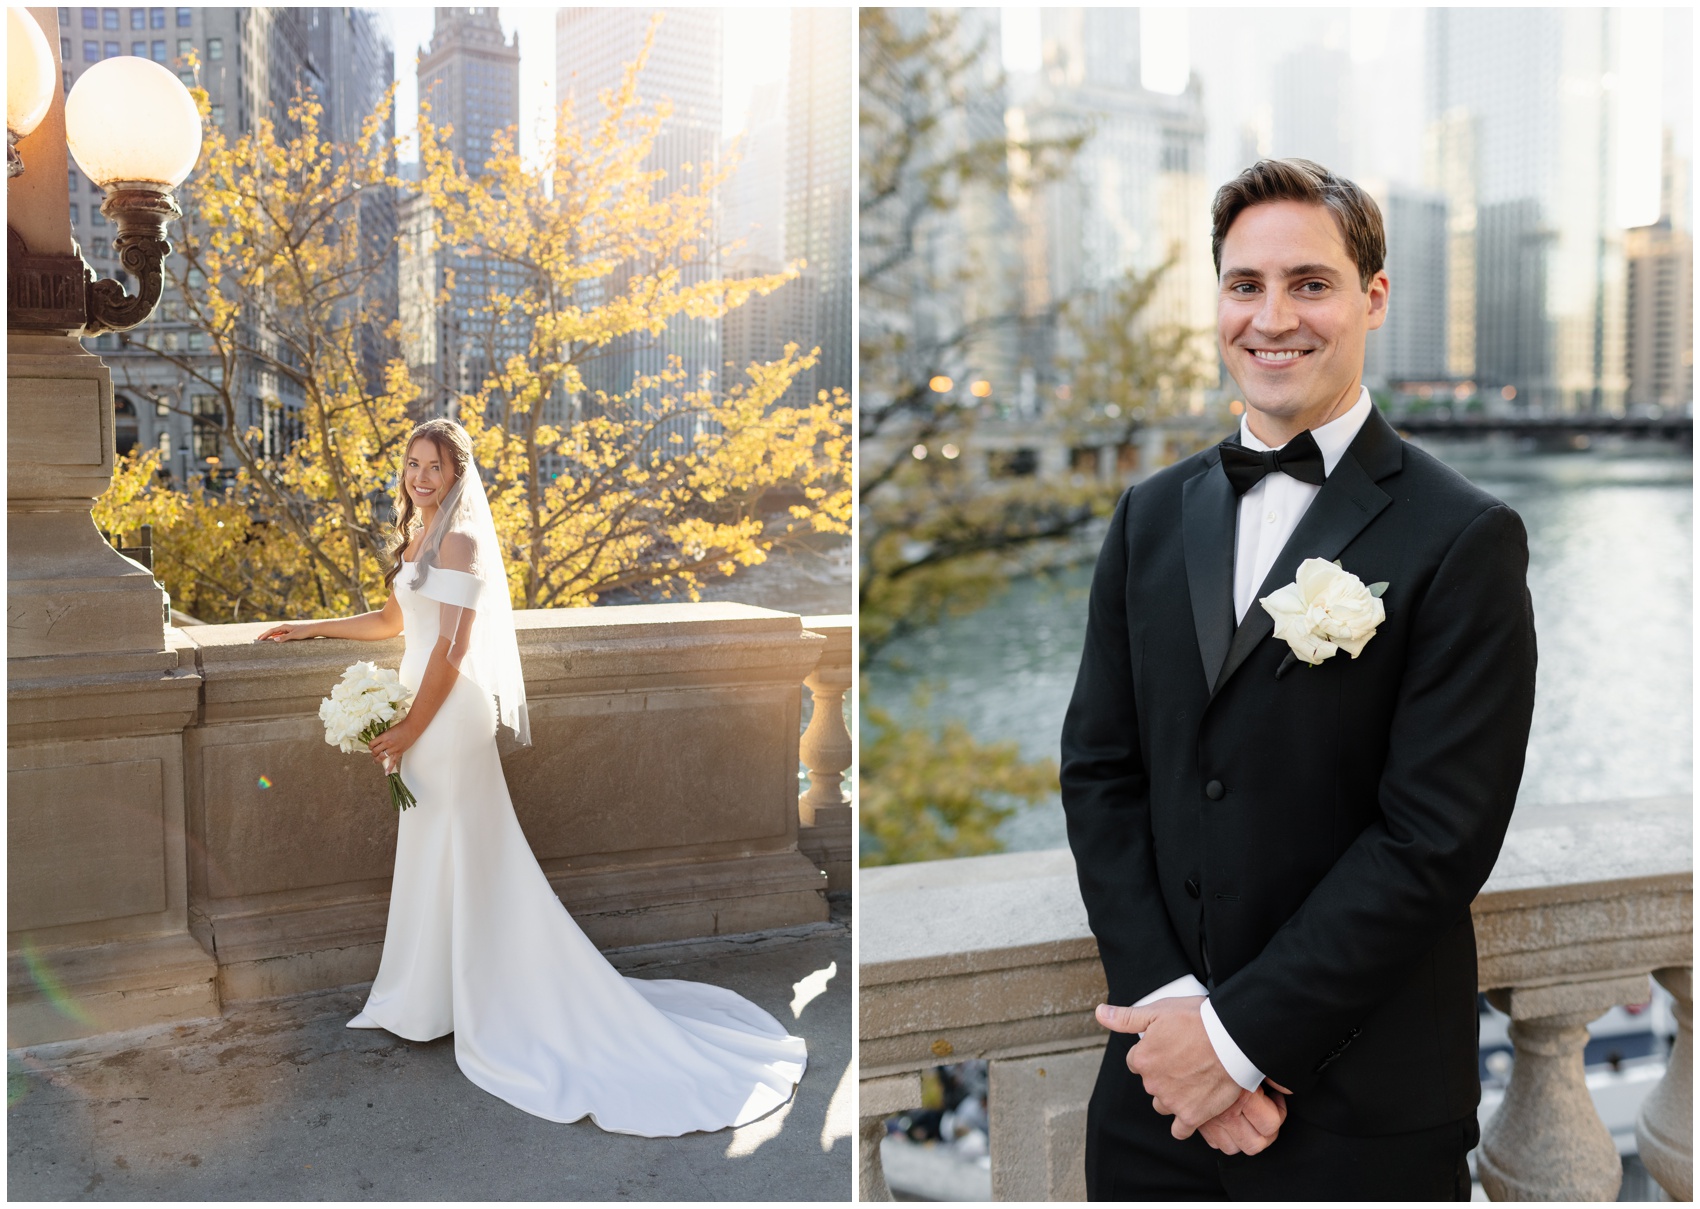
(477, 942)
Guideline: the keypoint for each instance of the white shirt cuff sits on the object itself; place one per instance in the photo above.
(1181, 987)
(1232, 1058)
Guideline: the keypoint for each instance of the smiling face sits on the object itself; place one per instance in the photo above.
(1291, 317)
(426, 473)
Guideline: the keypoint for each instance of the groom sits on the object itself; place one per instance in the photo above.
(1278, 836)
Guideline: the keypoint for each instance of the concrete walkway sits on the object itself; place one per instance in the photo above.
(278, 1101)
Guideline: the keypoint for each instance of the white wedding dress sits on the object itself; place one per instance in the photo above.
(479, 945)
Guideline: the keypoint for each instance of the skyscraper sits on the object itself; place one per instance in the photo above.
(468, 78)
(819, 172)
(753, 203)
(592, 48)
(1411, 344)
(1659, 297)
(1521, 124)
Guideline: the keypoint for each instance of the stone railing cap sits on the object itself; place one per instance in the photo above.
(980, 912)
(1583, 843)
(934, 918)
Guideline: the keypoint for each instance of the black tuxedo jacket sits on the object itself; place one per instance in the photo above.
(1307, 840)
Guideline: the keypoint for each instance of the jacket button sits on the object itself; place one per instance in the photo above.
(1214, 791)
(1191, 888)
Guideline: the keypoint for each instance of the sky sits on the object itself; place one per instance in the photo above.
(755, 48)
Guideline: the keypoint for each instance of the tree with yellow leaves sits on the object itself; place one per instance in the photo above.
(284, 286)
(661, 482)
(653, 487)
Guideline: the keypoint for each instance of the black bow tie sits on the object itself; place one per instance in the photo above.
(1299, 457)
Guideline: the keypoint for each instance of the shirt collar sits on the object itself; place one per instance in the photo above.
(1332, 438)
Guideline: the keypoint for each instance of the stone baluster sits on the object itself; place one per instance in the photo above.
(1546, 1142)
(825, 750)
(1665, 1128)
(880, 1098)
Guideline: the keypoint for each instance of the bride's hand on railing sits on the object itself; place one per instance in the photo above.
(289, 631)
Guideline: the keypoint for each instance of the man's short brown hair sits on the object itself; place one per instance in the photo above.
(1304, 181)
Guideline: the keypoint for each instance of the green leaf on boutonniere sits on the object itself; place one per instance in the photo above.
(1376, 589)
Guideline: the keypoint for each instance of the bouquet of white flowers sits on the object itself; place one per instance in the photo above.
(359, 709)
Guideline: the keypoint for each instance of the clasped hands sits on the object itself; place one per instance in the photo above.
(1181, 1073)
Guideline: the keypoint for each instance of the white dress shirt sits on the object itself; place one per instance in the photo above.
(1269, 513)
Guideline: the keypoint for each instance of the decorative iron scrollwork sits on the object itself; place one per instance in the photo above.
(142, 212)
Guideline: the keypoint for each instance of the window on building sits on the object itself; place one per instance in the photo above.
(196, 341)
(68, 80)
(64, 17)
(71, 180)
(138, 18)
(156, 18)
(159, 50)
(160, 408)
(218, 115)
(74, 219)
(109, 19)
(215, 48)
(188, 78)
(184, 46)
(96, 217)
(113, 50)
(91, 52)
(139, 49)
(184, 17)
(64, 49)
(91, 18)
(165, 445)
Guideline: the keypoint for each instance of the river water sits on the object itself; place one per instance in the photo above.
(1611, 535)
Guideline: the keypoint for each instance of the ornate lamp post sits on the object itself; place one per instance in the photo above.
(133, 130)
(98, 688)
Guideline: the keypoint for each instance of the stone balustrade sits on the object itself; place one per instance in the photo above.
(991, 957)
(179, 832)
(825, 834)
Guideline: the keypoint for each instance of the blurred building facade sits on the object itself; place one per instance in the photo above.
(1136, 193)
(753, 206)
(1521, 141)
(253, 62)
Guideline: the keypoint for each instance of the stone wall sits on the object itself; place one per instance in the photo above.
(659, 793)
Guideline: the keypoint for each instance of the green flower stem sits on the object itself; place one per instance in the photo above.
(401, 797)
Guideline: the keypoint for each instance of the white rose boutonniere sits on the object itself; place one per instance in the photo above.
(1326, 609)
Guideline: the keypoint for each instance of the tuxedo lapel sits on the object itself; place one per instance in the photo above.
(1209, 509)
(1348, 501)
